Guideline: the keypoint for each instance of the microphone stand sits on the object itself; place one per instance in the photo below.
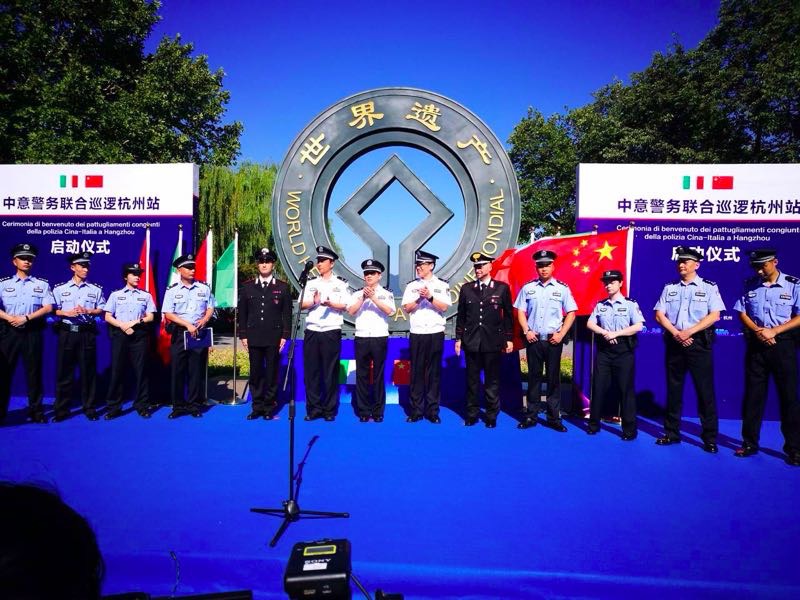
(290, 510)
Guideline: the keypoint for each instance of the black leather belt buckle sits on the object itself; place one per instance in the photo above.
(74, 328)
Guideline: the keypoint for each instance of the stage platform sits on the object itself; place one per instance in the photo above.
(437, 511)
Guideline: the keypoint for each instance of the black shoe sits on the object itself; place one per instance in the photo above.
(196, 413)
(491, 423)
(145, 413)
(592, 431)
(60, 416)
(268, 416)
(330, 418)
(378, 418)
(91, 414)
(745, 451)
(363, 419)
(256, 414)
(527, 423)
(312, 417)
(434, 419)
(413, 418)
(665, 440)
(38, 418)
(557, 426)
(710, 447)
(470, 421)
(793, 460)
(113, 414)
(628, 437)
(175, 414)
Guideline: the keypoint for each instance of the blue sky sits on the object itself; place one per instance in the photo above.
(287, 61)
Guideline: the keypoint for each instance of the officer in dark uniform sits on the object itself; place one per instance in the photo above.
(770, 311)
(24, 301)
(687, 310)
(484, 328)
(265, 314)
(616, 321)
(188, 307)
(77, 303)
(371, 306)
(546, 311)
(128, 313)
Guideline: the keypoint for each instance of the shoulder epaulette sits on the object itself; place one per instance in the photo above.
(5, 279)
(172, 286)
(390, 291)
(527, 282)
(311, 278)
(561, 282)
(60, 284)
(410, 282)
(792, 279)
(201, 282)
(709, 282)
(342, 278)
(632, 300)
(42, 279)
(97, 285)
(443, 280)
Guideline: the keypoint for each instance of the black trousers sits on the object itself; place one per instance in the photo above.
(698, 361)
(780, 361)
(28, 343)
(614, 365)
(370, 351)
(76, 348)
(264, 362)
(541, 354)
(489, 363)
(189, 364)
(129, 353)
(321, 351)
(426, 351)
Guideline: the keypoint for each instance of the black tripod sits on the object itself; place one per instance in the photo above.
(291, 511)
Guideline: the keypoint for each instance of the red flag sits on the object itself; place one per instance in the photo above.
(94, 181)
(147, 283)
(722, 182)
(582, 258)
(204, 268)
(401, 373)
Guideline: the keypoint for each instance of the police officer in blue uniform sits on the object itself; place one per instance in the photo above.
(265, 315)
(687, 311)
(128, 314)
(546, 312)
(484, 328)
(24, 302)
(769, 308)
(615, 321)
(77, 303)
(188, 307)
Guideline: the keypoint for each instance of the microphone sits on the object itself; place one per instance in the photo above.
(306, 270)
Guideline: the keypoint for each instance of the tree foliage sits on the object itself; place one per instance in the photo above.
(733, 99)
(238, 198)
(77, 87)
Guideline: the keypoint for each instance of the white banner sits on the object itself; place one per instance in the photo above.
(689, 192)
(166, 190)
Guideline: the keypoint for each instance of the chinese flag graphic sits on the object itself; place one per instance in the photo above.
(582, 258)
(401, 373)
(722, 182)
(94, 181)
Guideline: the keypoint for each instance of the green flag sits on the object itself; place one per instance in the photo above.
(225, 273)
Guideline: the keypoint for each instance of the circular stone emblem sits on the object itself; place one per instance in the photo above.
(390, 117)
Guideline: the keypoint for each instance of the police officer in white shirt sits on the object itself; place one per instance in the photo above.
(425, 300)
(372, 306)
(326, 299)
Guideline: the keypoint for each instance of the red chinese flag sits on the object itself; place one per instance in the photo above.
(582, 258)
(202, 271)
(401, 373)
(94, 181)
(146, 281)
(722, 182)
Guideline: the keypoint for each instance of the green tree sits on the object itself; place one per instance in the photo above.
(238, 198)
(733, 99)
(543, 155)
(77, 87)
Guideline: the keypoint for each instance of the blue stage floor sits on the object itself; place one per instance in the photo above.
(437, 511)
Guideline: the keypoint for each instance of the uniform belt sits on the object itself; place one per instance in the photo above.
(78, 328)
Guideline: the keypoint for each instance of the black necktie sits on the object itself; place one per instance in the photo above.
(483, 287)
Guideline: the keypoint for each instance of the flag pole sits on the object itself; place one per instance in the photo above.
(235, 399)
(209, 256)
